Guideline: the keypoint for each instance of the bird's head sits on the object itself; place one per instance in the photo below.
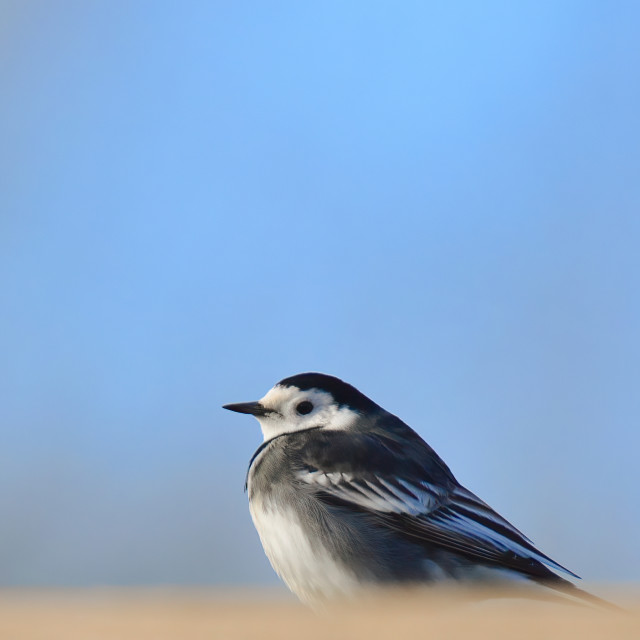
(307, 401)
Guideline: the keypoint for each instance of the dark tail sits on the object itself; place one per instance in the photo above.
(568, 588)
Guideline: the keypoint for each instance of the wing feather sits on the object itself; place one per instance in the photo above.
(449, 516)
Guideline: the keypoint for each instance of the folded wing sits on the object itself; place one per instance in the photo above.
(402, 495)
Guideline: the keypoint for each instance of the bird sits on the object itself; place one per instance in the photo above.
(345, 496)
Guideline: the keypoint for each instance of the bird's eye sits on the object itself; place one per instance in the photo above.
(304, 407)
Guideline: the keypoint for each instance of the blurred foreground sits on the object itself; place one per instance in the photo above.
(188, 613)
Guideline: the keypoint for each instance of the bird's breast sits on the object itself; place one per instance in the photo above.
(294, 545)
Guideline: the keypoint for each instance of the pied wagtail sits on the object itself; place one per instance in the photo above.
(345, 495)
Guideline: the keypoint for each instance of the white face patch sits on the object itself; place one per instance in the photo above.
(286, 418)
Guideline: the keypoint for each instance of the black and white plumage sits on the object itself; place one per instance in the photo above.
(345, 495)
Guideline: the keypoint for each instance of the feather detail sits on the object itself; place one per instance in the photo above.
(412, 504)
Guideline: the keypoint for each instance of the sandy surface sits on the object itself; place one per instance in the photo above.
(184, 614)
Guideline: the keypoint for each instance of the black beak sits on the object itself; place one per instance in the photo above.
(253, 408)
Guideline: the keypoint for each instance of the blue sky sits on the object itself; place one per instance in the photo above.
(438, 202)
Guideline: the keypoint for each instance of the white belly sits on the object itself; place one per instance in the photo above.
(306, 567)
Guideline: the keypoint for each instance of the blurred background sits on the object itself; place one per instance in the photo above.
(438, 202)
